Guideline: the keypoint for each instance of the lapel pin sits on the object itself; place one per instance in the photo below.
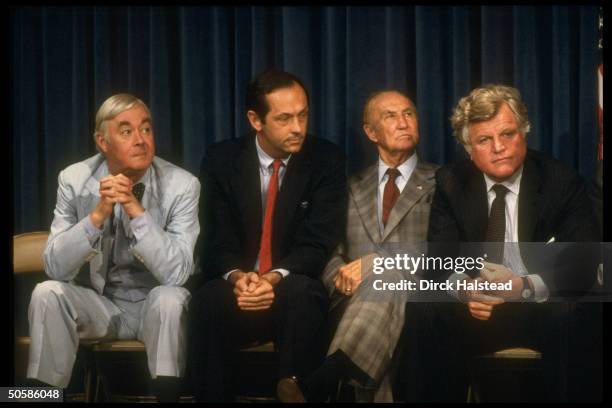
(419, 187)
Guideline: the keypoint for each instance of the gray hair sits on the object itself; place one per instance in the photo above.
(483, 104)
(112, 107)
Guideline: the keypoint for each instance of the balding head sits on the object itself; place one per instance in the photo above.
(390, 121)
(376, 96)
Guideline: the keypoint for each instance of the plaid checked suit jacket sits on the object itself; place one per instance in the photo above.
(370, 326)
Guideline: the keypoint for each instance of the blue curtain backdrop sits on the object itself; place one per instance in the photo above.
(191, 65)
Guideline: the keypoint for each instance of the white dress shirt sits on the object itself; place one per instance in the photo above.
(265, 174)
(512, 255)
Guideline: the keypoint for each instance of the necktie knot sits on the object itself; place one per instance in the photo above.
(138, 191)
(500, 190)
(393, 173)
(276, 165)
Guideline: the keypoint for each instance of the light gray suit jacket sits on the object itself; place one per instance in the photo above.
(166, 251)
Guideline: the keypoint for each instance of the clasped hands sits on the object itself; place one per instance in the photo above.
(252, 291)
(115, 189)
(481, 303)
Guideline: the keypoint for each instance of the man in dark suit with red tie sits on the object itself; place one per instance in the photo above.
(275, 204)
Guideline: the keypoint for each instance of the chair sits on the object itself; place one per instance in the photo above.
(27, 252)
(120, 369)
(28, 271)
(103, 358)
(518, 370)
(256, 380)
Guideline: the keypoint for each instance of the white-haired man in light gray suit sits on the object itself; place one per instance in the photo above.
(120, 249)
(389, 203)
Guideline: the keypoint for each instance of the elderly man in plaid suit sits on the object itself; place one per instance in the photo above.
(389, 203)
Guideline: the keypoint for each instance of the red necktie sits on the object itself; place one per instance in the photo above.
(265, 248)
(390, 194)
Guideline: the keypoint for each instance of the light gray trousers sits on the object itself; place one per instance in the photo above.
(61, 313)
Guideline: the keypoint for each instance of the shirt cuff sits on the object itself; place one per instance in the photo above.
(140, 225)
(453, 279)
(226, 276)
(91, 231)
(600, 279)
(283, 272)
(540, 289)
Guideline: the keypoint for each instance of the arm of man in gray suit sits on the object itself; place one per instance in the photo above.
(69, 245)
(337, 260)
(341, 273)
(167, 250)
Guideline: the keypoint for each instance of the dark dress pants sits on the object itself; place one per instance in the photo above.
(296, 322)
(442, 338)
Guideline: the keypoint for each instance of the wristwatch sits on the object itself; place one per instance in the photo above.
(527, 293)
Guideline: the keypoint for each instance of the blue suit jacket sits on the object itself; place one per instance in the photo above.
(552, 203)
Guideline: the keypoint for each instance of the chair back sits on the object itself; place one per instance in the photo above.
(27, 252)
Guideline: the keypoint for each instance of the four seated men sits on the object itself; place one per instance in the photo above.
(287, 243)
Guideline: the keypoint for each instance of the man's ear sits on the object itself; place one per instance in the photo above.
(370, 133)
(101, 142)
(254, 120)
(468, 150)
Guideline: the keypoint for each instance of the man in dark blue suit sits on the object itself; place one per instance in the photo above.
(275, 208)
(507, 193)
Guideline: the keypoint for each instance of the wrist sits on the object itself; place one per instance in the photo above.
(97, 219)
(462, 294)
(273, 277)
(235, 276)
(133, 211)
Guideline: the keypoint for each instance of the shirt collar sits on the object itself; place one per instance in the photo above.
(145, 179)
(513, 183)
(265, 160)
(405, 169)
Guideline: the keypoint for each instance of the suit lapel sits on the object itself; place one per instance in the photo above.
(415, 188)
(475, 207)
(246, 186)
(291, 189)
(530, 200)
(90, 196)
(365, 195)
(152, 198)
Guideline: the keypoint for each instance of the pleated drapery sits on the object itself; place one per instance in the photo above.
(191, 65)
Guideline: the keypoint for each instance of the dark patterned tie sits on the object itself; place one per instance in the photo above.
(138, 191)
(496, 229)
(390, 194)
